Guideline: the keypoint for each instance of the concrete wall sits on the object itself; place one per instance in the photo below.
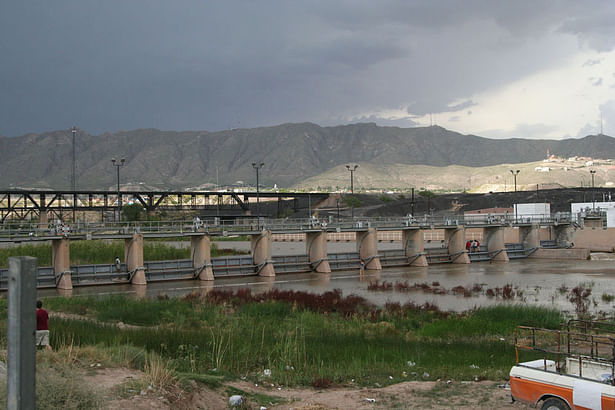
(596, 239)
(571, 253)
(511, 235)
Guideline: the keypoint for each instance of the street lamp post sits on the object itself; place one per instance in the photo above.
(73, 179)
(337, 201)
(593, 172)
(257, 166)
(515, 173)
(352, 169)
(117, 164)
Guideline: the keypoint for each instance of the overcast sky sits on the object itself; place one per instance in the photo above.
(500, 69)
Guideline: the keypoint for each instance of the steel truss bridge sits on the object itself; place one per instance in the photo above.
(29, 204)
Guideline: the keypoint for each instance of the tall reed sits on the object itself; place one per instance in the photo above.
(304, 344)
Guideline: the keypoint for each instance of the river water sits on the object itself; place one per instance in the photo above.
(534, 281)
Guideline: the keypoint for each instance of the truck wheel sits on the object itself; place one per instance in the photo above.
(553, 403)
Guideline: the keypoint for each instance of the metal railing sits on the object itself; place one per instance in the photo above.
(579, 344)
(90, 230)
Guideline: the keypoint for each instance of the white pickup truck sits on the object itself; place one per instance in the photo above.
(575, 371)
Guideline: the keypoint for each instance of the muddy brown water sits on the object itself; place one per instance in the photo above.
(535, 281)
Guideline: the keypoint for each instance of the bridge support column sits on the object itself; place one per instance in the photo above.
(367, 246)
(200, 249)
(563, 236)
(133, 255)
(43, 218)
(260, 244)
(60, 258)
(529, 236)
(456, 238)
(414, 247)
(494, 238)
(316, 247)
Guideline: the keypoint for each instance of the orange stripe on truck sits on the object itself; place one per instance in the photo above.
(531, 391)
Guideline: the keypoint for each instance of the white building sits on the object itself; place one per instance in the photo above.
(532, 212)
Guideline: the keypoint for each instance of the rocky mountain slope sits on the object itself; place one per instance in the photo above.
(291, 153)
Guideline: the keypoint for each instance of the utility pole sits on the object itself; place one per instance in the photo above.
(337, 201)
(73, 181)
(514, 174)
(117, 164)
(352, 169)
(257, 166)
(21, 326)
(593, 172)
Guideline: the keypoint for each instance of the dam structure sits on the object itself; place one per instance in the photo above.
(423, 241)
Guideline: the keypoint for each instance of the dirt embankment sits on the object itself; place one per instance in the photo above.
(409, 395)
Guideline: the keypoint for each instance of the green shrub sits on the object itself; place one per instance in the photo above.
(60, 389)
(497, 320)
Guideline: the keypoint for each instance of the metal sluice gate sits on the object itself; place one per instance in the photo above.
(182, 269)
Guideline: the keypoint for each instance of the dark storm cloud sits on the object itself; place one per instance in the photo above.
(595, 28)
(211, 65)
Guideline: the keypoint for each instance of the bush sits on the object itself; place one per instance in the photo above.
(133, 212)
(352, 201)
(60, 389)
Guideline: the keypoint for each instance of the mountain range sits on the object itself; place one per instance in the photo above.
(291, 153)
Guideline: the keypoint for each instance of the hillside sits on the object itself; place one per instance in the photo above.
(494, 178)
(291, 153)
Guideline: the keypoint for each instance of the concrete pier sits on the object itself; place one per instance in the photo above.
(60, 258)
(43, 219)
(133, 255)
(529, 236)
(367, 246)
(414, 247)
(316, 248)
(563, 235)
(260, 246)
(456, 238)
(494, 238)
(200, 251)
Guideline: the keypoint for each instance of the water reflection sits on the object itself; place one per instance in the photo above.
(537, 280)
(140, 291)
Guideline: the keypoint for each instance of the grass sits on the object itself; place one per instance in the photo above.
(59, 387)
(498, 320)
(301, 338)
(101, 252)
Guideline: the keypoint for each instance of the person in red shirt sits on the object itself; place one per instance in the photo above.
(42, 326)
